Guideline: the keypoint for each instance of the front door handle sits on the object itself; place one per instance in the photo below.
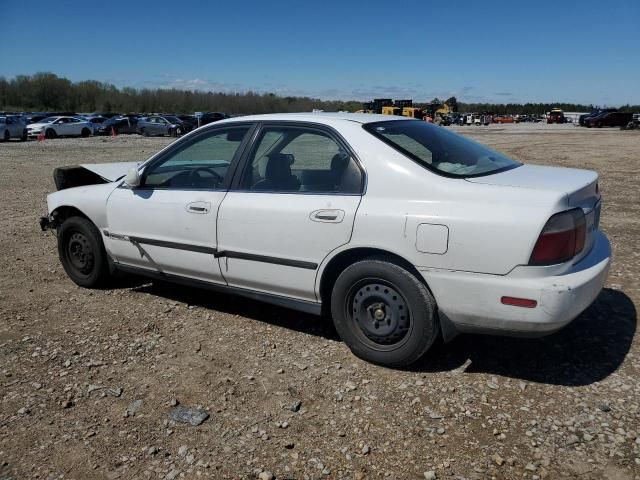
(327, 216)
(199, 207)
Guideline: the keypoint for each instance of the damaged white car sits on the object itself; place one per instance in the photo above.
(399, 229)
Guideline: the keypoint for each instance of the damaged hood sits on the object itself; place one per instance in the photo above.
(110, 171)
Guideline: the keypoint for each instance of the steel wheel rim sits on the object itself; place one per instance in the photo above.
(80, 253)
(379, 314)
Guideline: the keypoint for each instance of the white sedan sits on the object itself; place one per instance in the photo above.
(400, 230)
(52, 127)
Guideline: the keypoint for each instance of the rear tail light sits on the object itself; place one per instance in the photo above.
(562, 238)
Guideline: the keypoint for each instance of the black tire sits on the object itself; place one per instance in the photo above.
(82, 252)
(7, 136)
(25, 136)
(50, 133)
(143, 132)
(383, 313)
(85, 133)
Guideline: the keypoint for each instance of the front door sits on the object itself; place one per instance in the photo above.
(293, 204)
(62, 126)
(168, 224)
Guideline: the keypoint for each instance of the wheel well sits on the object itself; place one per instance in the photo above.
(341, 261)
(60, 214)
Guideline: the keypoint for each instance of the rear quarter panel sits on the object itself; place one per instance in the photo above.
(492, 229)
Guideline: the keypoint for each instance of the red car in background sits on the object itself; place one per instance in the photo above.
(556, 116)
(503, 119)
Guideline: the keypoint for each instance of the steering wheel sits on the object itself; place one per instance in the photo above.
(195, 177)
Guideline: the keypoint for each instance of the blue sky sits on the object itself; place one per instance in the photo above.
(491, 50)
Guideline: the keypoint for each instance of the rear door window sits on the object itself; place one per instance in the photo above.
(289, 159)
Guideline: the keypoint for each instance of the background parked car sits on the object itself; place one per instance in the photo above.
(35, 117)
(95, 121)
(158, 125)
(186, 126)
(610, 119)
(12, 126)
(556, 116)
(121, 125)
(191, 120)
(210, 117)
(583, 118)
(53, 127)
(503, 119)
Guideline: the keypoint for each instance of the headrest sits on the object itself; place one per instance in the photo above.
(278, 166)
(339, 162)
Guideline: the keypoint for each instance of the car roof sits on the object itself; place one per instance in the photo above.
(317, 117)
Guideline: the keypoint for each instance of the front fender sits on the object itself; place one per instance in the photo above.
(91, 200)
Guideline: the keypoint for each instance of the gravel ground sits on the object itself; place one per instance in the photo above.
(89, 380)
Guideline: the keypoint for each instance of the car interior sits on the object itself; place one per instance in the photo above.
(331, 170)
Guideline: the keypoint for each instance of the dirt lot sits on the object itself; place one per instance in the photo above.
(87, 378)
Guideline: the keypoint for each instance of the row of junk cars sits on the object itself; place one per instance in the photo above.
(51, 125)
(67, 124)
(607, 117)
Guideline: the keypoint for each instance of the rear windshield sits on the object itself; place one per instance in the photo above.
(440, 150)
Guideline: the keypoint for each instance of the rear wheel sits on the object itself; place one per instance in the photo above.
(82, 252)
(383, 313)
(25, 136)
(7, 136)
(85, 132)
(143, 132)
(50, 133)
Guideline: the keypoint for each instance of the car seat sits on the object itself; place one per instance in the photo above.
(277, 175)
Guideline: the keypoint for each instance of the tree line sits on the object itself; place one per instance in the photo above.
(48, 92)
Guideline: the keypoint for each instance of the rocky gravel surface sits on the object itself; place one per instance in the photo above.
(154, 381)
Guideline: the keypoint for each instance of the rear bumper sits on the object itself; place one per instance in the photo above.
(471, 302)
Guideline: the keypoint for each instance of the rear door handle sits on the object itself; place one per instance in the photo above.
(327, 216)
(199, 207)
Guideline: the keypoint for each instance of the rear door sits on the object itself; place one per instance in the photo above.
(168, 224)
(294, 202)
(162, 126)
(76, 125)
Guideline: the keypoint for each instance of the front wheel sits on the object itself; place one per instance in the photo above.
(50, 134)
(82, 252)
(384, 313)
(85, 132)
(25, 136)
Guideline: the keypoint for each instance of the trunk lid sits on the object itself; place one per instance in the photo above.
(579, 186)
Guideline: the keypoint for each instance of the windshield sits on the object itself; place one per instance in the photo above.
(47, 120)
(440, 150)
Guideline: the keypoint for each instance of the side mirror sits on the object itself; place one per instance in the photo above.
(132, 178)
